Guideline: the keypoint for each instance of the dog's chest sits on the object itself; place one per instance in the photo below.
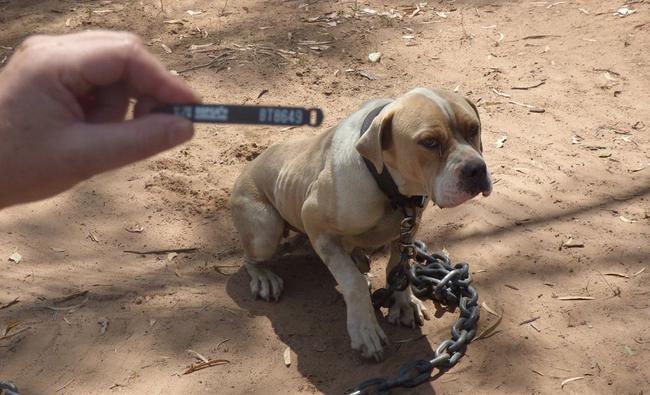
(386, 229)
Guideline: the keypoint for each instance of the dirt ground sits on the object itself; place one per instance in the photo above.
(580, 171)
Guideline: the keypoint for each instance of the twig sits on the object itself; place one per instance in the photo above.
(411, 339)
(68, 308)
(70, 297)
(201, 66)
(222, 342)
(21, 330)
(554, 4)
(528, 321)
(511, 287)
(71, 380)
(567, 381)
(9, 304)
(529, 86)
(203, 365)
(639, 272)
(521, 104)
(539, 36)
(157, 252)
(501, 94)
(490, 330)
(576, 298)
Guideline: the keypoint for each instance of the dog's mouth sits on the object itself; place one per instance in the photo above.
(450, 200)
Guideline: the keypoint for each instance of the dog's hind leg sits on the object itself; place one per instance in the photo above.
(260, 229)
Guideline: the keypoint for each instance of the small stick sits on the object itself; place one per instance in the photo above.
(201, 66)
(539, 36)
(511, 287)
(529, 86)
(536, 328)
(9, 304)
(64, 385)
(528, 321)
(177, 250)
(70, 297)
(222, 342)
(639, 272)
(521, 104)
(501, 94)
(567, 381)
(576, 298)
(68, 308)
(491, 330)
(203, 365)
(21, 330)
(412, 339)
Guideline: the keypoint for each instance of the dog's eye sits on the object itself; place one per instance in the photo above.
(429, 142)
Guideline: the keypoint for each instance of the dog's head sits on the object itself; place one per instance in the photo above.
(432, 139)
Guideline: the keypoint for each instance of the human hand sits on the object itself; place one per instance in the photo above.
(63, 100)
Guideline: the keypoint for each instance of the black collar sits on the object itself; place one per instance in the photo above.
(385, 180)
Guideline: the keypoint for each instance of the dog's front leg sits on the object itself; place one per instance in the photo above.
(365, 333)
(406, 309)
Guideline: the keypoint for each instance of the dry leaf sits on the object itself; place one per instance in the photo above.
(166, 48)
(576, 298)
(374, 56)
(15, 257)
(152, 322)
(501, 141)
(408, 37)
(287, 356)
(135, 228)
(624, 11)
(68, 22)
(55, 249)
(605, 154)
(193, 13)
(171, 255)
(174, 21)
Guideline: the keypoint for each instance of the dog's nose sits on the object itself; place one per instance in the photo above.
(474, 176)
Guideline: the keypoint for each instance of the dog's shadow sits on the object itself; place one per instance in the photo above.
(310, 319)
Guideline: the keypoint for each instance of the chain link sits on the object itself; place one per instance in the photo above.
(431, 276)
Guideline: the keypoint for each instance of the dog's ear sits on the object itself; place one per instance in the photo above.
(376, 139)
(480, 141)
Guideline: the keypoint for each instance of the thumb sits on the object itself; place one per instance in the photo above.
(101, 147)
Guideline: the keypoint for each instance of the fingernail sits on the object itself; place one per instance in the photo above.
(180, 130)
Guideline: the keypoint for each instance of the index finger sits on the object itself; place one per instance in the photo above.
(87, 60)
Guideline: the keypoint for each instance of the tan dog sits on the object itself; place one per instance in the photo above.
(430, 142)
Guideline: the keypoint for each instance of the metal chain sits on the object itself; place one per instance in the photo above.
(430, 276)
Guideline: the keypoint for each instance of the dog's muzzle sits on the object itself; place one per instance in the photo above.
(474, 178)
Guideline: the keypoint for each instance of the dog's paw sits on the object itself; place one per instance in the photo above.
(367, 336)
(407, 310)
(264, 283)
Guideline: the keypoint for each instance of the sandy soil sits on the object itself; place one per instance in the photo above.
(579, 170)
